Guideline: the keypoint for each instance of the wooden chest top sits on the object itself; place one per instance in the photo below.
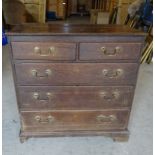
(71, 29)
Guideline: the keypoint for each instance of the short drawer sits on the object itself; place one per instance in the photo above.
(76, 73)
(103, 51)
(75, 97)
(74, 120)
(43, 50)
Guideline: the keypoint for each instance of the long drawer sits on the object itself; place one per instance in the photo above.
(113, 51)
(76, 73)
(69, 98)
(74, 120)
(43, 50)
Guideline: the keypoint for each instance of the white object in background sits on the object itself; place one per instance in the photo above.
(134, 7)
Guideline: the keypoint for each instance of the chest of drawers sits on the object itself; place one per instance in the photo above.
(75, 80)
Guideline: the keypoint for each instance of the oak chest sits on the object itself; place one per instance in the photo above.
(75, 80)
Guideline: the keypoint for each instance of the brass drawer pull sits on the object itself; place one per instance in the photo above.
(114, 95)
(112, 73)
(116, 50)
(49, 119)
(50, 51)
(104, 118)
(47, 73)
(36, 96)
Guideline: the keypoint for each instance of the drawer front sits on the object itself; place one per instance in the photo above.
(76, 73)
(43, 51)
(69, 98)
(74, 120)
(103, 51)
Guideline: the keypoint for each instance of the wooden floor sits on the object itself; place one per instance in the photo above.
(74, 20)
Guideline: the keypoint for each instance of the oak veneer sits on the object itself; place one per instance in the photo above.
(75, 80)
